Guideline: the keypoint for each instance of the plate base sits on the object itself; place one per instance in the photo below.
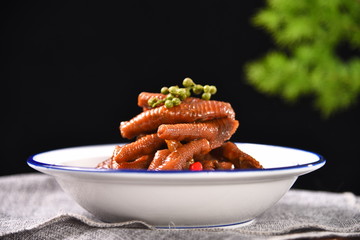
(222, 226)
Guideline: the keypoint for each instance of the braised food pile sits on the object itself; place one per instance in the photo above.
(178, 132)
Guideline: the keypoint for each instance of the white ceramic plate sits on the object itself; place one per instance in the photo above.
(177, 199)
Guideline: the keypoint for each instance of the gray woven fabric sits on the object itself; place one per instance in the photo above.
(32, 206)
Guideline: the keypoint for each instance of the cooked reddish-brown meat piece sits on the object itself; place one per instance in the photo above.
(142, 162)
(209, 165)
(106, 164)
(172, 145)
(174, 138)
(149, 121)
(177, 160)
(224, 165)
(231, 152)
(143, 146)
(215, 131)
(159, 158)
(211, 162)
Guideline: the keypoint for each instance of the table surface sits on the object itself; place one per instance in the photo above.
(33, 206)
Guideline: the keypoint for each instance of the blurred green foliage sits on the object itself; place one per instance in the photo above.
(308, 35)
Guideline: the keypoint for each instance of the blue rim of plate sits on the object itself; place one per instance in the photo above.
(320, 162)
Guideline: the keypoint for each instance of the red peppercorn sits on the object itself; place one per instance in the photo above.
(196, 166)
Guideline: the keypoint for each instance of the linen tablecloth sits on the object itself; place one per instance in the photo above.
(33, 206)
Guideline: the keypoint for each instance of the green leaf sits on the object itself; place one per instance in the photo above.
(310, 30)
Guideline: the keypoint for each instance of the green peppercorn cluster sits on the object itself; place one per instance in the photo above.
(176, 94)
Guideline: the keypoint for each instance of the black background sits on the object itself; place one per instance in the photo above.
(72, 70)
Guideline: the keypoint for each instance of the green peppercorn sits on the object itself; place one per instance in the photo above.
(206, 96)
(188, 82)
(164, 90)
(169, 96)
(169, 104)
(173, 89)
(181, 93)
(158, 103)
(188, 93)
(213, 90)
(176, 101)
(206, 89)
(197, 89)
(152, 101)
(175, 94)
